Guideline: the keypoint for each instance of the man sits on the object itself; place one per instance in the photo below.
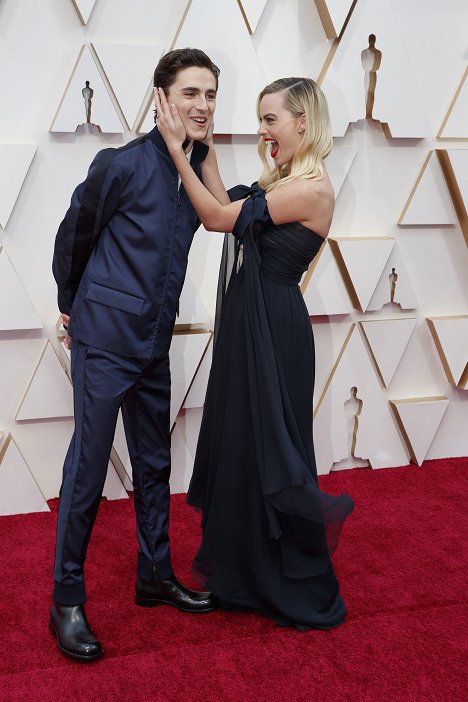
(119, 261)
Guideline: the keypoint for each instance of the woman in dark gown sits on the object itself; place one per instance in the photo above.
(268, 530)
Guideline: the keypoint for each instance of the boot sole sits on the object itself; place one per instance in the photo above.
(71, 654)
(146, 602)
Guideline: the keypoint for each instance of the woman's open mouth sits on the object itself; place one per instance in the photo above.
(274, 147)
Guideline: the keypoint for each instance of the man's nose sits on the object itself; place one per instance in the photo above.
(201, 103)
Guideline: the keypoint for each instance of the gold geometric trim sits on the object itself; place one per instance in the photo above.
(450, 110)
(462, 381)
(333, 370)
(412, 400)
(454, 190)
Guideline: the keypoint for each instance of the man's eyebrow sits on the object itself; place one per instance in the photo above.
(198, 90)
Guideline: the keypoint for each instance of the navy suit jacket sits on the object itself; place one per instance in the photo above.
(121, 251)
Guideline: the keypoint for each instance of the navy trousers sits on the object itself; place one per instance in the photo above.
(102, 383)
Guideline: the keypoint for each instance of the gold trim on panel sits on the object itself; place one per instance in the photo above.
(450, 110)
(9, 440)
(415, 187)
(108, 84)
(310, 271)
(181, 24)
(78, 12)
(412, 400)
(369, 345)
(336, 41)
(462, 381)
(454, 190)
(194, 374)
(335, 247)
(4, 448)
(31, 380)
(244, 15)
(327, 21)
(67, 87)
(333, 371)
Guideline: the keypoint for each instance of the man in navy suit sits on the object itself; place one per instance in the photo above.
(119, 261)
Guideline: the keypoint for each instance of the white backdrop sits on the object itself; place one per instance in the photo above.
(398, 207)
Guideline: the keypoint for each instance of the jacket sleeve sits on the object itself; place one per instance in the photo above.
(92, 205)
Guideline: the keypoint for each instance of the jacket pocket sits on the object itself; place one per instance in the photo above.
(115, 298)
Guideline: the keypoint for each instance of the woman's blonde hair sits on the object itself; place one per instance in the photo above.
(302, 96)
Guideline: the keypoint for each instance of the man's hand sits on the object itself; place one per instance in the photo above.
(65, 322)
(168, 122)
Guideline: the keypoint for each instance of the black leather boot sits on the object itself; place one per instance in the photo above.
(171, 592)
(73, 633)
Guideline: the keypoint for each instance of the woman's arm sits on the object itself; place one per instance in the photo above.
(214, 215)
(310, 202)
(210, 172)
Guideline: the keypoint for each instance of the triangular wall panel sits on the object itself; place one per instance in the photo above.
(19, 492)
(72, 110)
(16, 309)
(388, 339)
(455, 124)
(459, 161)
(339, 164)
(49, 394)
(323, 288)
(84, 9)
(450, 336)
(362, 260)
(333, 14)
(196, 395)
(252, 10)
(15, 160)
(429, 201)
(185, 355)
(118, 61)
(419, 418)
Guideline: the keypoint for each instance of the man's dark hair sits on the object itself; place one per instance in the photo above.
(175, 61)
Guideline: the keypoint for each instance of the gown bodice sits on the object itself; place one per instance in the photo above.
(286, 251)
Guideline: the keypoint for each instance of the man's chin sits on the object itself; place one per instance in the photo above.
(196, 135)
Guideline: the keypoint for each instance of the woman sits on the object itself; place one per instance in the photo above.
(268, 531)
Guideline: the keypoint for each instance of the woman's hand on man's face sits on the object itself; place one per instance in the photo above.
(169, 122)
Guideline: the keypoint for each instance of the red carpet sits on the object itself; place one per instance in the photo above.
(402, 572)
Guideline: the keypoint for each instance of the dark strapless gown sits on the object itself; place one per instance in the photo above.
(268, 531)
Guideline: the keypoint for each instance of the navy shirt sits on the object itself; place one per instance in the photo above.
(121, 251)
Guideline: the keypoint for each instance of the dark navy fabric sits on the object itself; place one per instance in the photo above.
(119, 261)
(103, 383)
(121, 251)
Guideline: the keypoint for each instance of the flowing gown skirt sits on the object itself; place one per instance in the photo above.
(256, 554)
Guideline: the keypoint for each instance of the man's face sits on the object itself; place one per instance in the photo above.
(194, 94)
